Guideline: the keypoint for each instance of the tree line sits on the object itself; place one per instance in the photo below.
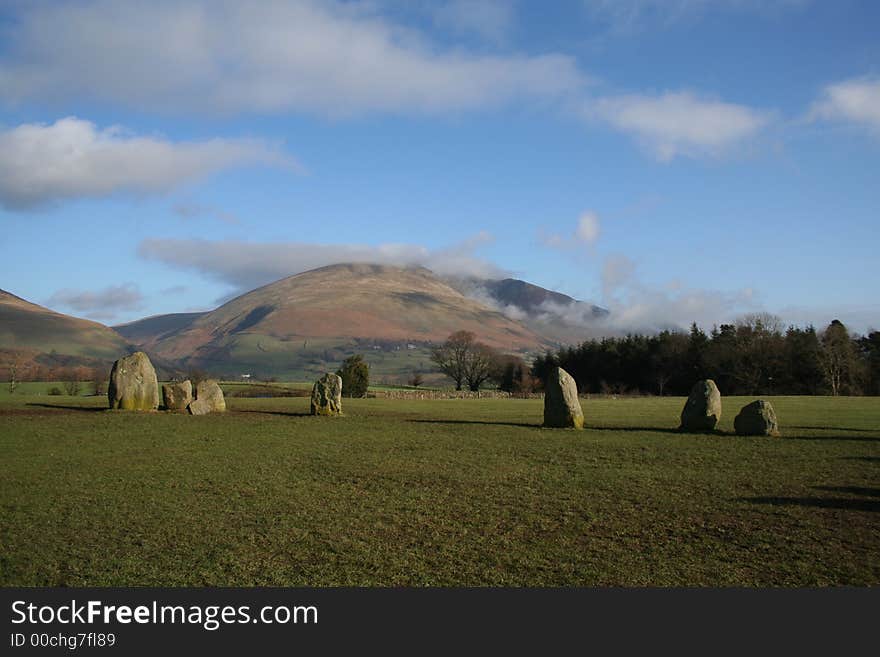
(755, 355)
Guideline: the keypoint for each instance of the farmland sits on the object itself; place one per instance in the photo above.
(422, 493)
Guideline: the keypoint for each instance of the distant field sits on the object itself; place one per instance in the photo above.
(436, 493)
(43, 388)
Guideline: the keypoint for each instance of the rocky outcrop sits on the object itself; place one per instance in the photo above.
(327, 395)
(562, 408)
(702, 410)
(133, 385)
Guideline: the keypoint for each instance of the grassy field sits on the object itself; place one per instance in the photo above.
(436, 493)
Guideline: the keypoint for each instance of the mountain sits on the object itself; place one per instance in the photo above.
(148, 331)
(555, 316)
(307, 323)
(531, 298)
(36, 335)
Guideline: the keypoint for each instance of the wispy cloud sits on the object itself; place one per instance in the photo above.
(490, 20)
(637, 306)
(585, 233)
(225, 56)
(174, 290)
(188, 210)
(101, 304)
(856, 101)
(678, 123)
(246, 265)
(73, 158)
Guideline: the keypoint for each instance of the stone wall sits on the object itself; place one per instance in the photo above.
(439, 394)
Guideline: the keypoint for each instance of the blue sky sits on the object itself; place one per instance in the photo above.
(676, 161)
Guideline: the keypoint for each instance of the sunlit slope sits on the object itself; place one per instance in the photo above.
(25, 326)
(319, 316)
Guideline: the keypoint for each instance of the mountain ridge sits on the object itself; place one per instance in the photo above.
(306, 323)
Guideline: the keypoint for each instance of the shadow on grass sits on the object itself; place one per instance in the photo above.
(846, 504)
(677, 432)
(283, 413)
(587, 427)
(869, 439)
(482, 422)
(852, 490)
(868, 459)
(802, 426)
(88, 409)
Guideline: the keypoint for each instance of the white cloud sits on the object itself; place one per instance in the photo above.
(103, 304)
(189, 210)
(588, 228)
(678, 123)
(586, 233)
(72, 158)
(246, 265)
(636, 306)
(225, 56)
(856, 100)
(489, 19)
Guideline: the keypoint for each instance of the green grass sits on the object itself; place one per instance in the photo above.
(436, 493)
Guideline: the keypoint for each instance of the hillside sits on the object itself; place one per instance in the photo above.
(27, 326)
(554, 316)
(146, 332)
(309, 322)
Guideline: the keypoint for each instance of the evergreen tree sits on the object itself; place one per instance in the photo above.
(355, 373)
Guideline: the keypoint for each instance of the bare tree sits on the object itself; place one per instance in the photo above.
(759, 349)
(416, 379)
(452, 356)
(13, 374)
(464, 360)
(836, 356)
(71, 383)
(99, 380)
(479, 365)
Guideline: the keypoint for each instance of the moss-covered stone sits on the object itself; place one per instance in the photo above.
(327, 395)
(209, 399)
(756, 419)
(702, 410)
(562, 408)
(133, 385)
(177, 396)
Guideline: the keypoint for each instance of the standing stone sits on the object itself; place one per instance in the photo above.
(327, 395)
(209, 399)
(562, 408)
(133, 385)
(702, 410)
(177, 396)
(756, 419)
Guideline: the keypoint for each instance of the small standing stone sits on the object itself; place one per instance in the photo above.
(756, 419)
(327, 395)
(702, 410)
(133, 385)
(177, 396)
(562, 408)
(209, 399)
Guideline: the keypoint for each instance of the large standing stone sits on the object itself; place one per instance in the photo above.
(562, 408)
(177, 396)
(327, 395)
(133, 385)
(702, 410)
(209, 399)
(756, 419)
